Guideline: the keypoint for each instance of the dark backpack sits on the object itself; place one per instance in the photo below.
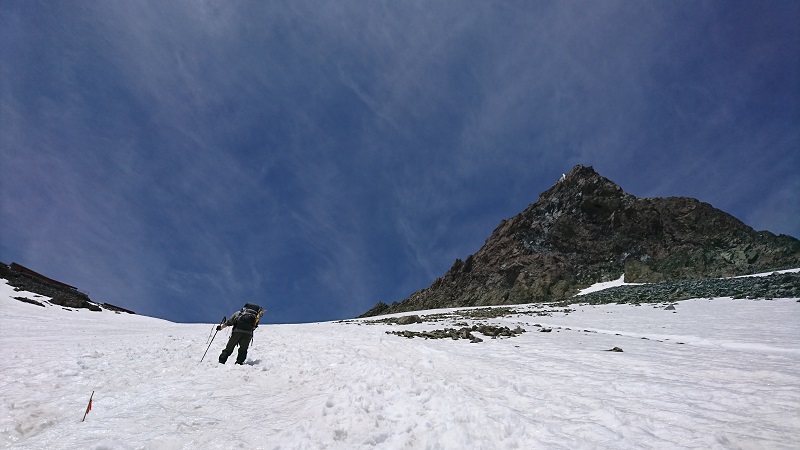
(248, 319)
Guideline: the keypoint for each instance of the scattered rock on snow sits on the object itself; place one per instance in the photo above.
(462, 333)
(27, 300)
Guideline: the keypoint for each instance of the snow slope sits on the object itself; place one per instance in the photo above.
(715, 373)
(605, 285)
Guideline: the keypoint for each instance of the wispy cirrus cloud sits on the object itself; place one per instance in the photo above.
(324, 156)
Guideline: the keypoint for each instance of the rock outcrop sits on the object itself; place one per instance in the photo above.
(61, 294)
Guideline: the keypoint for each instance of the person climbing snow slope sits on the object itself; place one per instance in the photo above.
(243, 322)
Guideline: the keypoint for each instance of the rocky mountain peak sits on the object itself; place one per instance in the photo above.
(582, 195)
(586, 229)
(583, 180)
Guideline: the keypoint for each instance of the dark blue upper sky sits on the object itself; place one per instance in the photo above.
(181, 158)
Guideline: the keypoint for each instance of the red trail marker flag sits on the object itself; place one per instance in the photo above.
(88, 407)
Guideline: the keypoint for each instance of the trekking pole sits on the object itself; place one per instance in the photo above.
(208, 339)
(212, 339)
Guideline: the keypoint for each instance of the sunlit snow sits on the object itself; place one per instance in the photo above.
(605, 285)
(717, 373)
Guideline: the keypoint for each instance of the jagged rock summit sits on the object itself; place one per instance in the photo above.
(586, 229)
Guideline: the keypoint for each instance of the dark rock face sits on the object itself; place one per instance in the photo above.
(377, 310)
(586, 229)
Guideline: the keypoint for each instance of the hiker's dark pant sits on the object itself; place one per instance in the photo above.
(240, 339)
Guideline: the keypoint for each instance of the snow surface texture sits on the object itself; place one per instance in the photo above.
(605, 285)
(717, 373)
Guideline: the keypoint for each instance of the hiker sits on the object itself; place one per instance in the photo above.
(243, 323)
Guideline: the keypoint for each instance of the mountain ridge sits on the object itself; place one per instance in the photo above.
(22, 278)
(585, 229)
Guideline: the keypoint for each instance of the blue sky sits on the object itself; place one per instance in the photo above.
(181, 158)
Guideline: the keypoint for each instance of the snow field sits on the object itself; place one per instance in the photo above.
(716, 373)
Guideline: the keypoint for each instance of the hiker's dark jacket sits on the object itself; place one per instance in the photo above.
(232, 323)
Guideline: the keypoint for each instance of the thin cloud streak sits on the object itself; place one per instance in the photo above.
(179, 157)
